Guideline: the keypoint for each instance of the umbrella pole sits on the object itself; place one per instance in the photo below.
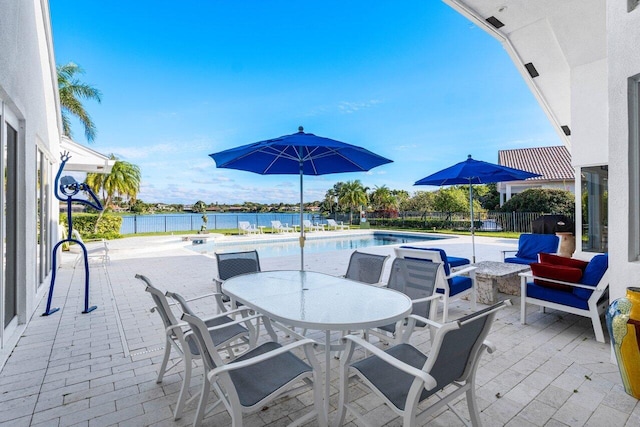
(301, 217)
(473, 241)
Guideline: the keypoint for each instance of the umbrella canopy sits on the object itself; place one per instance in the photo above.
(472, 172)
(299, 154)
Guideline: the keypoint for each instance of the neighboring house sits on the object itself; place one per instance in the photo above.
(552, 163)
(578, 59)
(30, 138)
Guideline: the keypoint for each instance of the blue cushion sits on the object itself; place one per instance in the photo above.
(455, 261)
(555, 295)
(530, 245)
(457, 284)
(593, 272)
(596, 268)
(449, 261)
(523, 261)
(443, 256)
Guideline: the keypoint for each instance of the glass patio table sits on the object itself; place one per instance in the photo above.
(311, 300)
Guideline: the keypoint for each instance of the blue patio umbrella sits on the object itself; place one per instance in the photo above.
(299, 154)
(472, 172)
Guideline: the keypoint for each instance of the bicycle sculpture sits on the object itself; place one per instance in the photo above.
(66, 188)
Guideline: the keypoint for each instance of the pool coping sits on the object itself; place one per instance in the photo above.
(326, 235)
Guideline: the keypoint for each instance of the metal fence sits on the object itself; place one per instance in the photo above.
(519, 222)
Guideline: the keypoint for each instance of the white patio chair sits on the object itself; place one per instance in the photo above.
(308, 225)
(403, 376)
(416, 279)
(366, 268)
(331, 223)
(455, 285)
(257, 377)
(277, 227)
(245, 227)
(98, 251)
(222, 329)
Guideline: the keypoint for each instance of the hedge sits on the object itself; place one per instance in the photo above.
(422, 224)
(108, 228)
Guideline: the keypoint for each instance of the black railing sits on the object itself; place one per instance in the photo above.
(519, 222)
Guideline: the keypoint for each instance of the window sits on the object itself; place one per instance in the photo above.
(8, 282)
(634, 168)
(594, 191)
(43, 217)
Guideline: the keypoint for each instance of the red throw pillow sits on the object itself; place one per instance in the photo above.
(561, 260)
(556, 272)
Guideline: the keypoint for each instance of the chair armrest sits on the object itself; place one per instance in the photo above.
(428, 380)
(505, 251)
(413, 318)
(179, 325)
(231, 366)
(462, 271)
(489, 346)
(235, 322)
(425, 299)
(529, 275)
(243, 311)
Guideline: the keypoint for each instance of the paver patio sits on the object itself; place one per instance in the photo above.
(99, 369)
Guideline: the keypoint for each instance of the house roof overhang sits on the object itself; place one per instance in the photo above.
(546, 39)
(84, 159)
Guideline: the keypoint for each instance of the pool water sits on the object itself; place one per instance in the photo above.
(312, 245)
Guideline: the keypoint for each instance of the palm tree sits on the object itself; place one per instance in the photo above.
(124, 180)
(402, 198)
(330, 198)
(72, 91)
(352, 194)
(382, 199)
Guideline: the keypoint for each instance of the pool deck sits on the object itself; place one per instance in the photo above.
(99, 369)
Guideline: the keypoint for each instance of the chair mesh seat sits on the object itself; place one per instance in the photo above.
(391, 381)
(218, 336)
(273, 374)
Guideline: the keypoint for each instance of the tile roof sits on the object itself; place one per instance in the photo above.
(553, 163)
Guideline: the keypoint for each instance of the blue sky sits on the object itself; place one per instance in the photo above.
(413, 81)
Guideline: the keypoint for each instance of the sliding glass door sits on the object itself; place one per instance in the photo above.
(8, 284)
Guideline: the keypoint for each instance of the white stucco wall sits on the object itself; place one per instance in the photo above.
(623, 30)
(589, 114)
(27, 88)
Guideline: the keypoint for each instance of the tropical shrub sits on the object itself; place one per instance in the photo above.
(541, 200)
(108, 227)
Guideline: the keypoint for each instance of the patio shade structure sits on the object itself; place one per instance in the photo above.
(299, 154)
(474, 172)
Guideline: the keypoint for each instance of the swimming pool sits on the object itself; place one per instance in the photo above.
(278, 248)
